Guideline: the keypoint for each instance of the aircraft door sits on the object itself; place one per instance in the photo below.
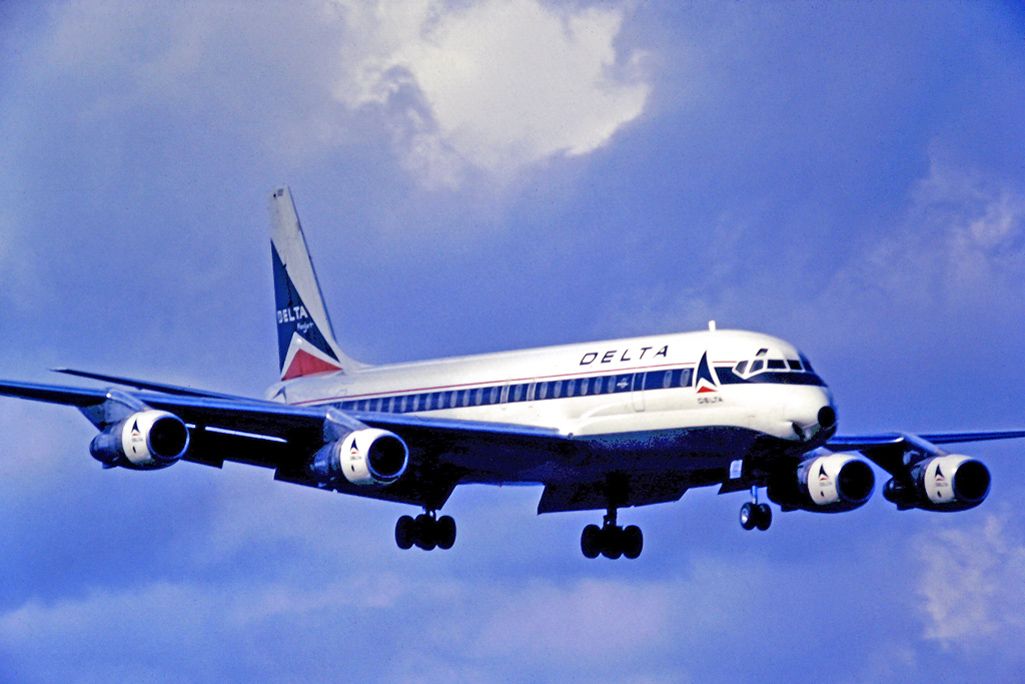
(637, 393)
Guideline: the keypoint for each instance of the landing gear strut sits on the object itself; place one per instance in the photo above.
(426, 531)
(611, 540)
(754, 514)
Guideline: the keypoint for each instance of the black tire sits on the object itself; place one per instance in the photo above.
(445, 532)
(405, 532)
(425, 532)
(632, 541)
(764, 517)
(590, 541)
(748, 515)
(612, 542)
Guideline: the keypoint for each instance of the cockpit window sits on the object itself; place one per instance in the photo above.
(771, 366)
(764, 360)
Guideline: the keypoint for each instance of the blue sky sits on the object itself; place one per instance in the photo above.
(483, 176)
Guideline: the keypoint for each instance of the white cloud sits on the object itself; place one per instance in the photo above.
(496, 85)
(591, 620)
(961, 241)
(972, 584)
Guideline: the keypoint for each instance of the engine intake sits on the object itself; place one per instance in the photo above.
(942, 483)
(824, 484)
(364, 457)
(147, 440)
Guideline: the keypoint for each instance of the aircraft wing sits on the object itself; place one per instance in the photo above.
(887, 449)
(443, 452)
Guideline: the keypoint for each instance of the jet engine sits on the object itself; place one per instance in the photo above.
(942, 483)
(146, 440)
(364, 457)
(824, 484)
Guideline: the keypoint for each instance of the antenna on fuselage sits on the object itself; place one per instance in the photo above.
(711, 325)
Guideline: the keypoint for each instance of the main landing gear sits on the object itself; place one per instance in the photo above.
(426, 531)
(611, 540)
(754, 514)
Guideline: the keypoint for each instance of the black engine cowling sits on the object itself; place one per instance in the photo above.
(824, 484)
(146, 440)
(363, 457)
(942, 483)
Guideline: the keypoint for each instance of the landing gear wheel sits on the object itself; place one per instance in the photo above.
(764, 517)
(405, 532)
(632, 541)
(425, 533)
(590, 541)
(749, 515)
(445, 532)
(612, 542)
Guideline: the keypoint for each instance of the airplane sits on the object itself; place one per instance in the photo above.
(600, 426)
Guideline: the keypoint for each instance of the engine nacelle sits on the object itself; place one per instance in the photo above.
(824, 484)
(146, 440)
(364, 457)
(942, 483)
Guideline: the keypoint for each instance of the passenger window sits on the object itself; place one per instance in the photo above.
(571, 386)
(542, 390)
(478, 396)
(685, 377)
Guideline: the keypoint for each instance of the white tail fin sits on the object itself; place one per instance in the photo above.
(306, 342)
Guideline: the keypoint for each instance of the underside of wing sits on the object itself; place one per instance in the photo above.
(888, 449)
(441, 453)
(621, 492)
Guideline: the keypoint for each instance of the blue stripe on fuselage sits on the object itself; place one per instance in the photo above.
(507, 393)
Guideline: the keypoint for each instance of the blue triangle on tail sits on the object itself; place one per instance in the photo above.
(292, 315)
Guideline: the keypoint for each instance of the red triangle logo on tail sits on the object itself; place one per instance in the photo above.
(304, 363)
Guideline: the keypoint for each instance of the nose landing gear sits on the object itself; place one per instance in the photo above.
(611, 540)
(754, 514)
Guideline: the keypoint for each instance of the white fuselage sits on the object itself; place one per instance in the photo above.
(640, 385)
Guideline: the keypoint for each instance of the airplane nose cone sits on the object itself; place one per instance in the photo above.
(827, 417)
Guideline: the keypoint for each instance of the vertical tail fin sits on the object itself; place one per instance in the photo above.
(306, 342)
